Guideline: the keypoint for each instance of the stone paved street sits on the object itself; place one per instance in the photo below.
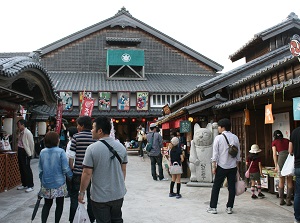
(147, 201)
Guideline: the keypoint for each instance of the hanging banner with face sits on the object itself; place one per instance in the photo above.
(268, 114)
(296, 108)
(295, 45)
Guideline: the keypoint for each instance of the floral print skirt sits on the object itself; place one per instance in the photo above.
(53, 193)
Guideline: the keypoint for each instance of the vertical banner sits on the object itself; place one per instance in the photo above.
(87, 107)
(59, 112)
(296, 108)
(67, 100)
(82, 95)
(104, 101)
(142, 99)
(123, 101)
(268, 114)
(247, 117)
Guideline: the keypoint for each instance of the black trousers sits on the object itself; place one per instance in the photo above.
(219, 179)
(73, 192)
(108, 212)
(25, 169)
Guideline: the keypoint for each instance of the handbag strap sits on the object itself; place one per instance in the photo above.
(250, 165)
(226, 139)
(114, 152)
(151, 141)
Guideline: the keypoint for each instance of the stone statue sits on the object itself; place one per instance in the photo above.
(201, 153)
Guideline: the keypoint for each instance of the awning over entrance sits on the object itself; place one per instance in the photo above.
(194, 108)
(11, 99)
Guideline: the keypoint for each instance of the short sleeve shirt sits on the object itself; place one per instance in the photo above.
(255, 165)
(281, 144)
(108, 180)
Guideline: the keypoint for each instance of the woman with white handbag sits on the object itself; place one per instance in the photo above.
(176, 158)
(280, 146)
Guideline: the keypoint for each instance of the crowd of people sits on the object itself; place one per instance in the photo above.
(94, 163)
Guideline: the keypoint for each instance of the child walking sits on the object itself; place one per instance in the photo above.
(175, 156)
(254, 162)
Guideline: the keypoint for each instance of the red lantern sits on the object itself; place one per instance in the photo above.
(133, 120)
(123, 120)
(143, 119)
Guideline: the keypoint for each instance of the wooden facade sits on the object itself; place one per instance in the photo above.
(271, 75)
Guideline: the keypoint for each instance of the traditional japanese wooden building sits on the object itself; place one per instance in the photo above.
(23, 82)
(271, 75)
(131, 70)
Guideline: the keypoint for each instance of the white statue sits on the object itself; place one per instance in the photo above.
(201, 153)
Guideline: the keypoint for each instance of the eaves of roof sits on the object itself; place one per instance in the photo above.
(13, 54)
(191, 109)
(171, 116)
(291, 21)
(44, 112)
(155, 83)
(205, 104)
(14, 66)
(124, 18)
(264, 92)
(225, 79)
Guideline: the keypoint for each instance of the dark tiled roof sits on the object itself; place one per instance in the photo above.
(155, 83)
(14, 54)
(225, 79)
(259, 37)
(124, 18)
(122, 39)
(14, 66)
(292, 83)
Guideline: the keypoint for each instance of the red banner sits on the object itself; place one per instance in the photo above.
(87, 107)
(59, 112)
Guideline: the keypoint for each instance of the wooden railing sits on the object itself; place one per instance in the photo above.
(9, 170)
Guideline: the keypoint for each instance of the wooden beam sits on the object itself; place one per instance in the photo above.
(8, 105)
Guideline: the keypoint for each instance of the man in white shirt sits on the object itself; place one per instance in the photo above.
(224, 165)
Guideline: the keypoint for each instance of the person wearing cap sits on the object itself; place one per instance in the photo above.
(294, 149)
(280, 146)
(155, 153)
(254, 163)
(224, 166)
(176, 155)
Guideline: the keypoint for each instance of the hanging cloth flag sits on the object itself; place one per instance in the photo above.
(268, 114)
(296, 108)
(247, 117)
(87, 107)
(59, 112)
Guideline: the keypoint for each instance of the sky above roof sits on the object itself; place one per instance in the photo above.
(214, 28)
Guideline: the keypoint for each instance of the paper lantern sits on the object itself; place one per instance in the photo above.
(42, 127)
(7, 125)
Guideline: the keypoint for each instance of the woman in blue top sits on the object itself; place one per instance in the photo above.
(53, 167)
(175, 154)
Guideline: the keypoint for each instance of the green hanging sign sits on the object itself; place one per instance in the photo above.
(125, 57)
(185, 126)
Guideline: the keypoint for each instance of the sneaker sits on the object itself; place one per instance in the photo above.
(211, 210)
(228, 210)
(172, 195)
(178, 196)
(164, 179)
(30, 189)
(22, 188)
(261, 195)
(254, 196)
